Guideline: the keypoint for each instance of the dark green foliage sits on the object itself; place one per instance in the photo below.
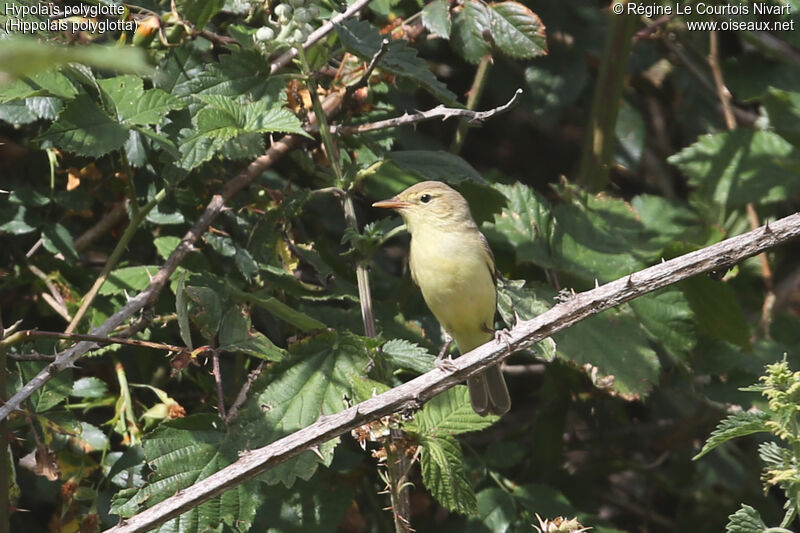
(107, 167)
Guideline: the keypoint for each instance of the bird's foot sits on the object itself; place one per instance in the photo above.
(445, 364)
(504, 336)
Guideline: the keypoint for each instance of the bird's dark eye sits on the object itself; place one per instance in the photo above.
(425, 198)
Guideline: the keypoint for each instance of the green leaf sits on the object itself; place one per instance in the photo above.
(471, 31)
(24, 56)
(517, 31)
(199, 12)
(134, 105)
(735, 425)
(83, 128)
(28, 196)
(668, 318)
(291, 316)
(313, 381)
(664, 219)
(223, 119)
(308, 507)
(496, 509)
(131, 279)
(408, 356)
(436, 165)
(165, 245)
(449, 413)
(443, 475)
(527, 224)
(783, 108)
(17, 220)
(205, 310)
(52, 393)
(363, 39)
(436, 18)
(57, 240)
(745, 520)
(45, 83)
(181, 453)
(741, 166)
(717, 310)
(544, 500)
(235, 336)
(89, 387)
(600, 239)
(615, 344)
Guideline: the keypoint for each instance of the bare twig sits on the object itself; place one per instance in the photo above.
(422, 388)
(370, 67)
(242, 396)
(474, 96)
(99, 339)
(724, 96)
(112, 218)
(150, 294)
(440, 111)
(54, 299)
(218, 380)
(723, 93)
(318, 34)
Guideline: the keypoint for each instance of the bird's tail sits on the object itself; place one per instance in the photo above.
(488, 392)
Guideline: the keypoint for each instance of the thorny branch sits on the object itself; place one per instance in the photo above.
(561, 316)
(440, 111)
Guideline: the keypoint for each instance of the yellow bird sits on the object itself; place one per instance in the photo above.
(454, 267)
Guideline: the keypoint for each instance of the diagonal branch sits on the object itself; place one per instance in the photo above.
(149, 295)
(412, 393)
(318, 34)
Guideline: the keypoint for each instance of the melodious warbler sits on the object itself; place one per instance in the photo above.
(454, 267)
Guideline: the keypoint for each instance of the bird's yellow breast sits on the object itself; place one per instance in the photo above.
(453, 270)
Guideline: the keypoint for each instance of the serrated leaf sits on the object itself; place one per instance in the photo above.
(408, 356)
(235, 336)
(783, 109)
(85, 129)
(741, 166)
(602, 239)
(615, 344)
(443, 475)
(131, 279)
(205, 310)
(165, 245)
(363, 39)
(745, 520)
(46, 83)
(717, 310)
(527, 224)
(472, 31)
(89, 387)
(667, 316)
(496, 509)
(735, 425)
(516, 30)
(287, 314)
(313, 381)
(450, 413)
(134, 105)
(199, 12)
(57, 240)
(181, 453)
(436, 18)
(52, 393)
(436, 165)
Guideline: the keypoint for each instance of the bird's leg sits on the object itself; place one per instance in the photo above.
(501, 335)
(442, 363)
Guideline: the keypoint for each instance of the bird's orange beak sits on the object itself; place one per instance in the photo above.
(392, 203)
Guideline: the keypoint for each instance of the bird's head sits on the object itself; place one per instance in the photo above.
(431, 204)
